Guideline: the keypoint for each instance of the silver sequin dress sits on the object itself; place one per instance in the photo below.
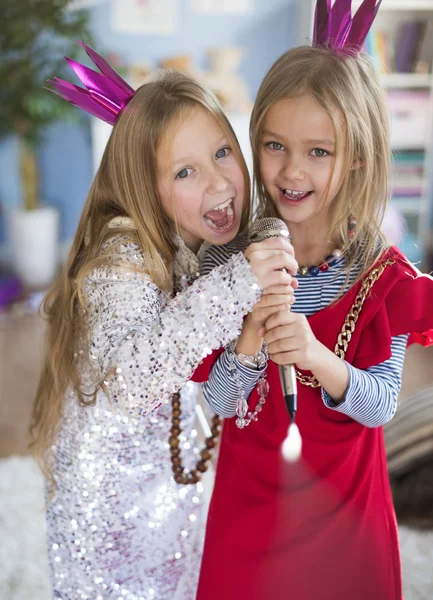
(118, 525)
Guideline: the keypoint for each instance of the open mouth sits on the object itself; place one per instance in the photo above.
(222, 217)
(295, 196)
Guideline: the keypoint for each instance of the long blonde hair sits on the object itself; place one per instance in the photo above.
(343, 85)
(125, 185)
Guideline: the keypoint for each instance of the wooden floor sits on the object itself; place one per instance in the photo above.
(21, 339)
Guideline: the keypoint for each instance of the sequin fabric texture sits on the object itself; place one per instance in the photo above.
(118, 525)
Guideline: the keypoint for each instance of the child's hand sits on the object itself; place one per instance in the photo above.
(272, 262)
(274, 299)
(291, 341)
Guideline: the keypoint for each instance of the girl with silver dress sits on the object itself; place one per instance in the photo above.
(128, 322)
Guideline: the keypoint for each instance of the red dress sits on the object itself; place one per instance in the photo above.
(323, 528)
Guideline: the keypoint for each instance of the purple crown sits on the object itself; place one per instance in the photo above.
(335, 28)
(107, 93)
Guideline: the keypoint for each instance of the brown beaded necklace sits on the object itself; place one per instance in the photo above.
(193, 476)
(179, 473)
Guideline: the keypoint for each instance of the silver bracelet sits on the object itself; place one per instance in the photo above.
(254, 361)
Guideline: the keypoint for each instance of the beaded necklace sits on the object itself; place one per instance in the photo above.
(330, 260)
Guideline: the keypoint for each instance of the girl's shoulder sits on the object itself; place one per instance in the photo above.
(401, 263)
(403, 296)
(214, 256)
(398, 268)
(400, 273)
(120, 258)
(122, 247)
(396, 277)
(398, 302)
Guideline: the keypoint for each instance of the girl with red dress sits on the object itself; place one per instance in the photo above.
(322, 528)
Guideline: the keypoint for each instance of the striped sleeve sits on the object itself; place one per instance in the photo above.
(221, 390)
(371, 396)
(215, 256)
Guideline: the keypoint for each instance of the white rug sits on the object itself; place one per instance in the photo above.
(417, 558)
(23, 561)
(23, 555)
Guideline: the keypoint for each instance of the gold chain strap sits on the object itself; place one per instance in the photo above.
(350, 321)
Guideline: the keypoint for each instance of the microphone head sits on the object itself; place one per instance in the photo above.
(292, 445)
(270, 227)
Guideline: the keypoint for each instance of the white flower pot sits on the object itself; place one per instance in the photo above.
(34, 239)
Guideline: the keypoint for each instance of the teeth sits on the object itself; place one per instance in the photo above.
(223, 205)
(294, 192)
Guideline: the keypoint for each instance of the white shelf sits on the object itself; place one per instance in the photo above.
(406, 80)
(418, 210)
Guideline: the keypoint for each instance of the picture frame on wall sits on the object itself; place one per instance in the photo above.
(153, 17)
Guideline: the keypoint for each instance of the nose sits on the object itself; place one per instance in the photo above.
(217, 181)
(292, 169)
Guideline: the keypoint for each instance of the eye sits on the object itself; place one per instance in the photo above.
(275, 146)
(183, 174)
(319, 152)
(222, 152)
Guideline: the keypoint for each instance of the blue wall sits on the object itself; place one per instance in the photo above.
(65, 156)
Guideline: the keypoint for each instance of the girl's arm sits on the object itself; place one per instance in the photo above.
(371, 395)
(368, 396)
(147, 349)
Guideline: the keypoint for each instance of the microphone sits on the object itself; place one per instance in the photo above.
(261, 230)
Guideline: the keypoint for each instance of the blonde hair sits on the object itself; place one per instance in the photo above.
(344, 86)
(125, 185)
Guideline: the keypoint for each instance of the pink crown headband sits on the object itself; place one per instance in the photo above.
(107, 93)
(335, 28)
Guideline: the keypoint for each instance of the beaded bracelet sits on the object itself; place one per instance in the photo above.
(245, 417)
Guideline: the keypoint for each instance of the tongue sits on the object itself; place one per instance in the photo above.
(217, 216)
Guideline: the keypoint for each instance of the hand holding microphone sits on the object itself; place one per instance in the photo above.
(272, 262)
(265, 229)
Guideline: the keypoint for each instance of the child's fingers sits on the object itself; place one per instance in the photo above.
(284, 344)
(273, 270)
(280, 318)
(280, 289)
(261, 315)
(283, 332)
(284, 358)
(273, 260)
(275, 277)
(274, 300)
(274, 243)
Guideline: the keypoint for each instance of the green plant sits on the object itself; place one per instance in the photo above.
(33, 41)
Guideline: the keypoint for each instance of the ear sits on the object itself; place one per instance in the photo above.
(357, 164)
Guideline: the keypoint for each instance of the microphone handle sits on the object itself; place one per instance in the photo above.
(290, 387)
(288, 384)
